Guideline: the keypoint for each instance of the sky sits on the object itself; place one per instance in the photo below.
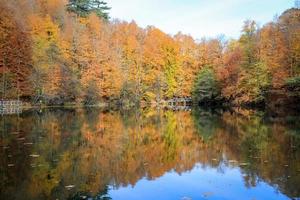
(198, 18)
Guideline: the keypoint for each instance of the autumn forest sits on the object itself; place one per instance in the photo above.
(96, 108)
(67, 51)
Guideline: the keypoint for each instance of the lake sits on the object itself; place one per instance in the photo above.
(149, 155)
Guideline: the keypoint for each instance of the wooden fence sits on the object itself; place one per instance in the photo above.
(183, 103)
(10, 107)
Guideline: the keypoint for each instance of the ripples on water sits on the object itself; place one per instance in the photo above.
(149, 154)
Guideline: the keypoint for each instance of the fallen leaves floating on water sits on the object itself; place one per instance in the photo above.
(34, 155)
(207, 194)
(69, 187)
(244, 164)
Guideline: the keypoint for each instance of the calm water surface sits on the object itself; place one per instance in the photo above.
(149, 155)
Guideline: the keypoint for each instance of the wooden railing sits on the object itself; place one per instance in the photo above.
(10, 107)
(182, 103)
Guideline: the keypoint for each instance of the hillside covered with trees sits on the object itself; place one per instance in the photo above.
(60, 51)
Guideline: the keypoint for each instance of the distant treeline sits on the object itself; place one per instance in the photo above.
(58, 51)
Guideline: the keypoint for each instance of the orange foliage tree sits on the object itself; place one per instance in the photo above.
(15, 55)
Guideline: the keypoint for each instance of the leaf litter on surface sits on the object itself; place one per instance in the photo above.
(69, 187)
(34, 155)
(207, 194)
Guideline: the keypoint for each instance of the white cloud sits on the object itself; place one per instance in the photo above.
(197, 17)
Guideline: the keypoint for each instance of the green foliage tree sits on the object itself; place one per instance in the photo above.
(171, 72)
(206, 88)
(293, 83)
(85, 7)
(253, 83)
(91, 95)
(254, 75)
(45, 77)
(248, 43)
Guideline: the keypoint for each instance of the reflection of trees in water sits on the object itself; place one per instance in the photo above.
(206, 122)
(92, 117)
(170, 137)
(272, 154)
(91, 150)
(102, 195)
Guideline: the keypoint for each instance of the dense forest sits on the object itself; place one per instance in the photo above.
(61, 51)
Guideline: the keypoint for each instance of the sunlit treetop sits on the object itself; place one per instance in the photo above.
(85, 7)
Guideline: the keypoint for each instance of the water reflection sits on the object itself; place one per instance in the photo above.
(149, 154)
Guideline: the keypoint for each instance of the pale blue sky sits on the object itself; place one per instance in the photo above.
(198, 18)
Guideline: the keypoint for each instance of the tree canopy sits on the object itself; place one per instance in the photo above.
(85, 7)
(206, 89)
(49, 55)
